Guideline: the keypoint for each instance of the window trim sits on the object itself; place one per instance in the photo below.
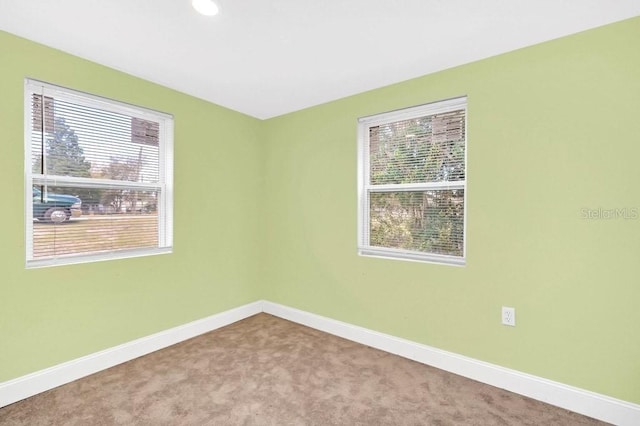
(165, 177)
(364, 188)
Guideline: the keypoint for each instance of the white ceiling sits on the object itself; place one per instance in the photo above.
(270, 57)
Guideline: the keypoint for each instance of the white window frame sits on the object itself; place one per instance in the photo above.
(365, 188)
(164, 185)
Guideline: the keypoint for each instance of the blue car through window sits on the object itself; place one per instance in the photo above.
(55, 208)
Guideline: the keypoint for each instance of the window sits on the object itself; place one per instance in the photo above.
(412, 183)
(98, 178)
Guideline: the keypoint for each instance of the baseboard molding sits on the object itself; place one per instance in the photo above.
(23, 387)
(591, 404)
(578, 400)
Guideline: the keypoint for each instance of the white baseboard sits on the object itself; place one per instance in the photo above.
(591, 404)
(578, 400)
(23, 387)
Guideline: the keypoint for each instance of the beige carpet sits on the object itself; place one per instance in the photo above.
(268, 371)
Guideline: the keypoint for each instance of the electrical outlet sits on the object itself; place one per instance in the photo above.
(509, 316)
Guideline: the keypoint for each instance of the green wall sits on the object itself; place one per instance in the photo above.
(552, 130)
(52, 315)
(268, 210)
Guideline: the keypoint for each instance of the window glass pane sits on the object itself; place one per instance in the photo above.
(107, 219)
(82, 141)
(419, 150)
(424, 221)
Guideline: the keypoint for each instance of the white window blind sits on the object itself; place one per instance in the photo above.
(98, 177)
(412, 182)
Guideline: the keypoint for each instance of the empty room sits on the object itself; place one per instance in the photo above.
(285, 212)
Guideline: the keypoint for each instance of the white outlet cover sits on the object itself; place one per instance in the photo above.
(509, 316)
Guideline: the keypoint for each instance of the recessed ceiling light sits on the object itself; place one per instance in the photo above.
(205, 7)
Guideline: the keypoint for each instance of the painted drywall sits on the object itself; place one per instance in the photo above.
(52, 315)
(552, 138)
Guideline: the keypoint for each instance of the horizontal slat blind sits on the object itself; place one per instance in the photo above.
(422, 149)
(110, 161)
(82, 141)
(99, 234)
(425, 221)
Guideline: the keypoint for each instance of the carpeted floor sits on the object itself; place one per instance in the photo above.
(268, 371)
